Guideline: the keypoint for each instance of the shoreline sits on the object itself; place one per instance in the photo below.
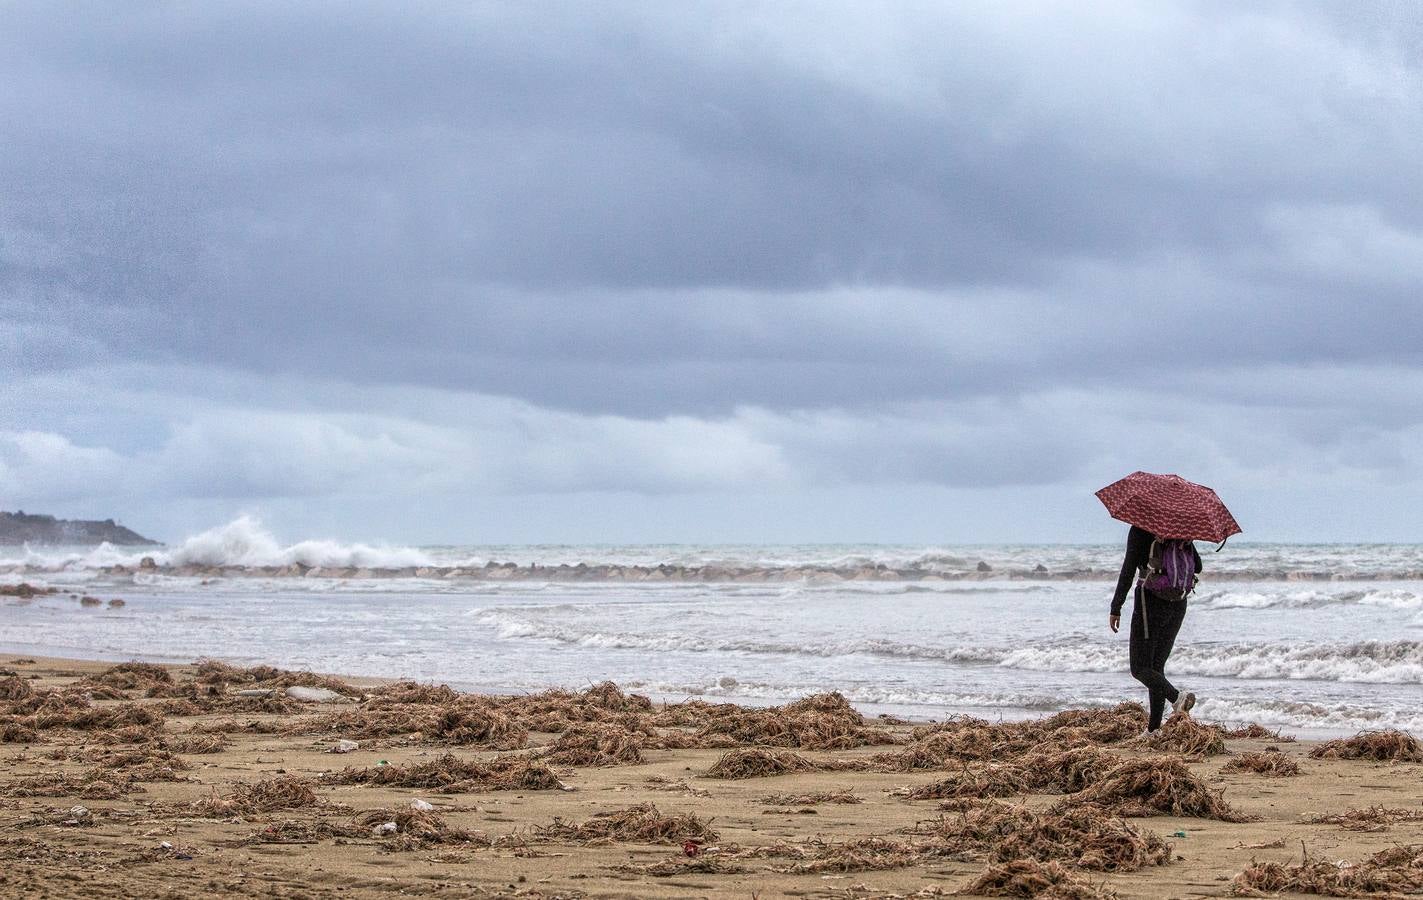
(607, 573)
(154, 820)
(903, 712)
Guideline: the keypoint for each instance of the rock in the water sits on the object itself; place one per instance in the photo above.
(984, 567)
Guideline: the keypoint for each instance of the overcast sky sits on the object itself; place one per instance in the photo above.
(569, 272)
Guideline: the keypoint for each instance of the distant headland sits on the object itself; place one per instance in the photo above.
(22, 528)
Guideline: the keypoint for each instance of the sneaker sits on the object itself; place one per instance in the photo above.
(1184, 701)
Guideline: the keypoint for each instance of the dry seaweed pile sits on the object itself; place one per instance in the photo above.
(95, 784)
(863, 855)
(815, 799)
(1030, 878)
(404, 693)
(1153, 786)
(194, 743)
(554, 711)
(219, 676)
(1041, 771)
(292, 831)
(959, 740)
(1084, 837)
(1392, 872)
(475, 723)
(681, 865)
(70, 708)
(1258, 732)
(597, 745)
(1066, 771)
(130, 676)
(643, 824)
(468, 721)
(1183, 734)
(1271, 763)
(1377, 745)
(438, 714)
(1374, 818)
(13, 688)
(365, 723)
(983, 781)
(818, 722)
(415, 829)
(261, 797)
(451, 775)
(755, 762)
(147, 759)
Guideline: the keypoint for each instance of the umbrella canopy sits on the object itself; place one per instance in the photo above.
(1169, 507)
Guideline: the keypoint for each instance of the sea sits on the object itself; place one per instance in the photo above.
(1314, 640)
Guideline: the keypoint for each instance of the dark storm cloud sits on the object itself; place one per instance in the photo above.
(650, 209)
(352, 255)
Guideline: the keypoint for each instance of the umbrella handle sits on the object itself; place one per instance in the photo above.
(1222, 544)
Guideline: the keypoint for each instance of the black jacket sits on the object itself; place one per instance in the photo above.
(1138, 553)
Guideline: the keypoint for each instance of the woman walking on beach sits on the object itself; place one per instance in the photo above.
(1167, 514)
(1165, 572)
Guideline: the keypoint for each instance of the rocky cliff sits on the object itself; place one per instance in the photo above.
(21, 528)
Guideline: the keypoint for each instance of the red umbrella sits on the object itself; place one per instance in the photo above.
(1169, 507)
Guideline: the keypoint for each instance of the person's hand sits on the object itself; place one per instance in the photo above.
(1114, 623)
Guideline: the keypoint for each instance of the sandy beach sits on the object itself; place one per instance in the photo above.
(171, 781)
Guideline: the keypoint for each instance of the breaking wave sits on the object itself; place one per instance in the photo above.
(243, 548)
(241, 542)
(1307, 599)
(1331, 717)
(1376, 662)
(244, 542)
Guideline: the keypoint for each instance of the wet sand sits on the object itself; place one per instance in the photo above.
(172, 822)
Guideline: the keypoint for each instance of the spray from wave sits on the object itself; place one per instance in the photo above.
(241, 542)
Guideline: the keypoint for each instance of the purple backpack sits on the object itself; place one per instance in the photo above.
(1170, 570)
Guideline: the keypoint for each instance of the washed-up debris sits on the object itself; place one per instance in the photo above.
(1154, 786)
(759, 763)
(1272, 764)
(451, 775)
(286, 792)
(813, 799)
(643, 823)
(1258, 732)
(1183, 734)
(597, 745)
(1031, 878)
(1085, 837)
(1392, 872)
(1374, 818)
(1384, 746)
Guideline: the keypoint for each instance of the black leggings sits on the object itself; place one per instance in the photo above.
(1151, 645)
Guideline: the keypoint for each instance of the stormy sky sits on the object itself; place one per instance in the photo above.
(722, 271)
